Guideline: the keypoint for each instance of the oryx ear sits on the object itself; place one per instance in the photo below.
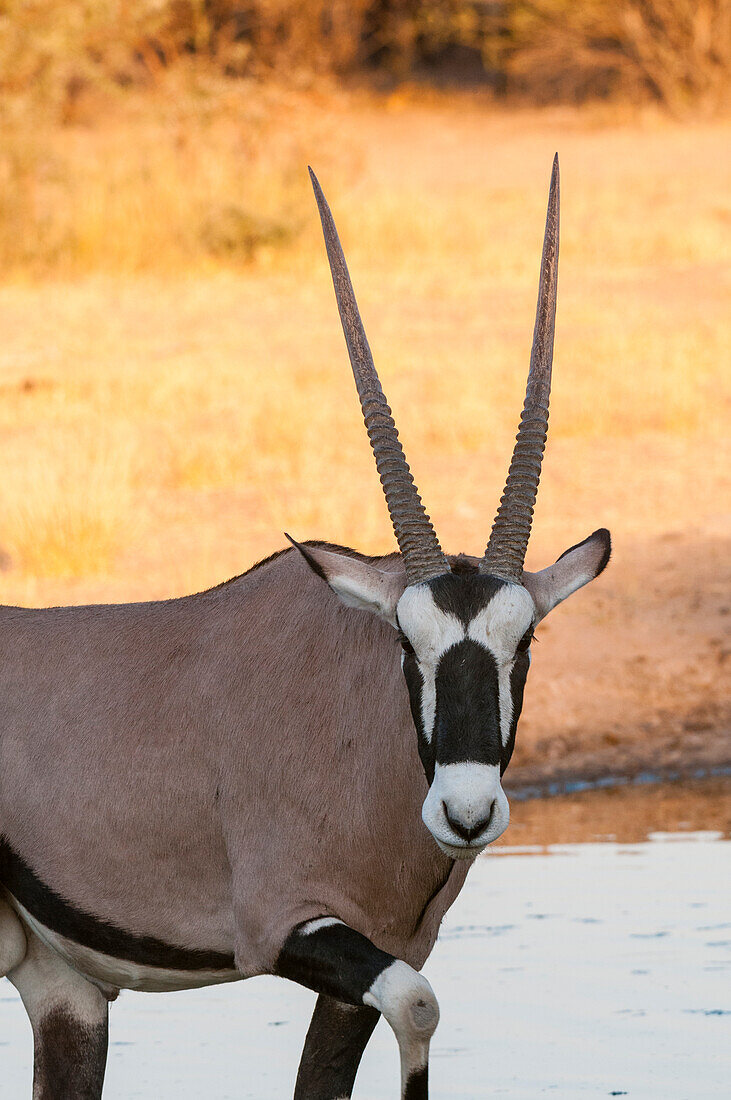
(357, 583)
(576, 567)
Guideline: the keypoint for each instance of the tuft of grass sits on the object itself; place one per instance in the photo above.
(67, 502)
(167, 425)
(179, 177)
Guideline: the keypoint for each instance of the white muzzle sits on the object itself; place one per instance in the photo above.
(466, 808)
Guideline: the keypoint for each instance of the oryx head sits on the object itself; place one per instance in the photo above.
(465, 629)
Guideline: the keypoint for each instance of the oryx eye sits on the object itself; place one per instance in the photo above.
(526, 640)
(406, 644)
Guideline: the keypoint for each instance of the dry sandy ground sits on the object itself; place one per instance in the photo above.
(627, 814)
(159, 434)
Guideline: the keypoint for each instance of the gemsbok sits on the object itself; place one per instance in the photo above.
(278, 775)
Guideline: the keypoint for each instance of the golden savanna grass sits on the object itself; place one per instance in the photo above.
(185, 174)
(164, 418)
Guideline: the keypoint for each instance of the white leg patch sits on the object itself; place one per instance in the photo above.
(407, 1001)
(317, 924)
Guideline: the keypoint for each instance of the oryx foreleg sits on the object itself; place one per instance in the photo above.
(334, 1046)
(69, 1019)
(329, 957)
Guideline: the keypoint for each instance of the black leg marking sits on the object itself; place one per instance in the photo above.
(334, 960)
(70, 1057)
(341, 963)
(333, 1049)
(417, 1086)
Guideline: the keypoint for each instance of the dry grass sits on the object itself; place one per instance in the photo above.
(160, 431)
(160, 135)
(677, 51)
(193, 173)
(130, 406)
(71, 501)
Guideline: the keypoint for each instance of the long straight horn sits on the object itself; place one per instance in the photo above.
(508, 542)
(422, 554)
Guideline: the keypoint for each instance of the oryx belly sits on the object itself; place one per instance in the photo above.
(120, 973)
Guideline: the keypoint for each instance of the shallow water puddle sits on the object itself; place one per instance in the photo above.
(581, 970)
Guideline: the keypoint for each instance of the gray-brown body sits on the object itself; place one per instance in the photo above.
(210, 771)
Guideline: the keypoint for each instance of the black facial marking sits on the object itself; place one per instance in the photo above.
(69, 1058)
(415, 685)
(464, 596)
(335, 960)
(84, 928)
(467, 726)
(518, 676)
(467, 718)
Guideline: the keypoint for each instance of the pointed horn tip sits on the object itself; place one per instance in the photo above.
(555, 177)
(319, 193)
(554, 195)
(315, 183)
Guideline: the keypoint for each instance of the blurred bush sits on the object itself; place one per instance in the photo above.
(675, 51)
(126, 144)
(173, 132)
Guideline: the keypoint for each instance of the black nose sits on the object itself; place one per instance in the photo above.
(462, 830)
